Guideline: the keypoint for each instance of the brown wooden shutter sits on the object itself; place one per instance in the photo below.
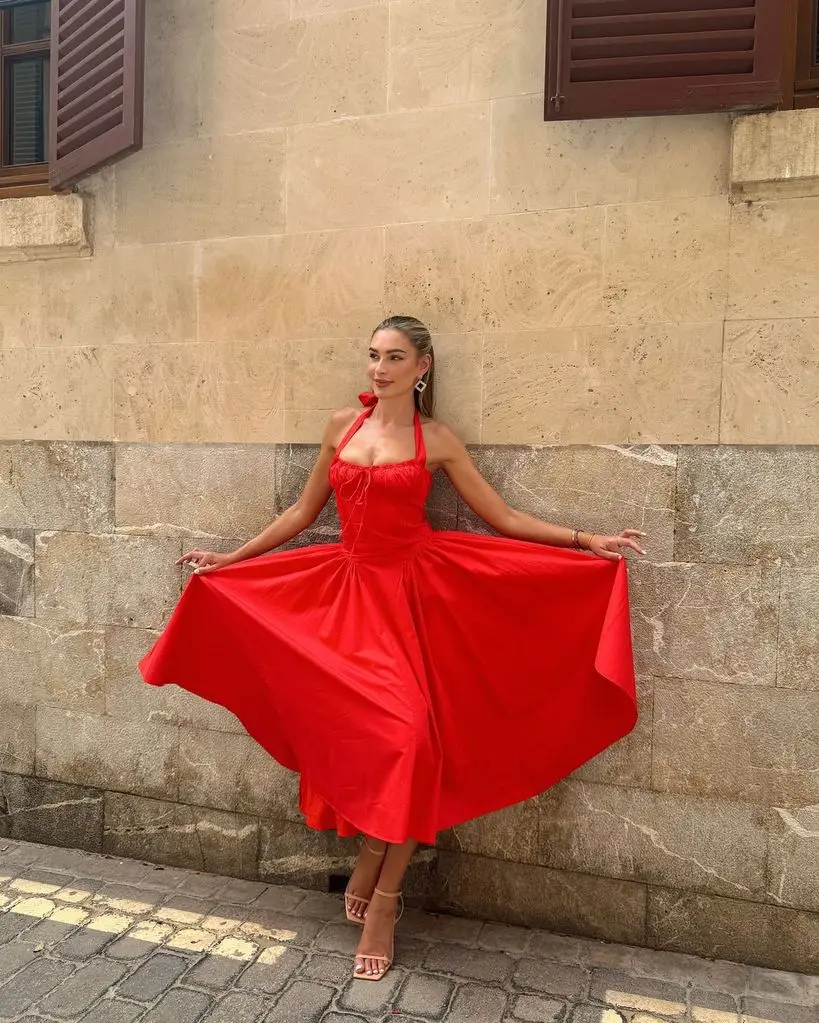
(608, 58)
(97, 65)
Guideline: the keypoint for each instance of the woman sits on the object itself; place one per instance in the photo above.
(415, 679)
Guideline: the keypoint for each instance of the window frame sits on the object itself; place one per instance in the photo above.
(22, 179)
(806, 85)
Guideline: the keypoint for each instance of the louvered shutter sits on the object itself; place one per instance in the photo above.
(97, 65)
(609, 58)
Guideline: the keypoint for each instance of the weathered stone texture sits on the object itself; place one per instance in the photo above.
(17, 572)
(106, 579)
(38, 810)
(183, 836)
(742, 505)
(57, 485)
(748, 743)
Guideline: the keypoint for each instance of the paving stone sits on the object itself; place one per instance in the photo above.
(271, 977)
(320, 906)
(112, 1010)
(476, 1004)
(712, 1007)
(766, 1011)
(242, 892)
(440, 928)
(326, 969)
(236, 1008)
(372, 996)
(302, 1002)
(476, 964)
(339, 938)
(554, 978)
(153, 977)
(337, 1017)
(129, 948)
(425, 996)
(503, 938)
(32, 982)
(14, 958)
(283, 898)
(83, 944)
(82, 989)
(178, 1006)
(214, 971)
(595, 1014)
(630, 992)
(12, 924)
(537, 1010)
(203, 886)
(799, 988)
(48, 932)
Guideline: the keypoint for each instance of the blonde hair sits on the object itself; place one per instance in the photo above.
(420, 338)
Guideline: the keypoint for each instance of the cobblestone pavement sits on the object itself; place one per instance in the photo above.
(98, 939)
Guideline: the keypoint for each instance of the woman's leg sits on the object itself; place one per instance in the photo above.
(365, 875)
(377, 939)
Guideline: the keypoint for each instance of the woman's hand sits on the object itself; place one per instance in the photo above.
(203, 562)
(610, 546)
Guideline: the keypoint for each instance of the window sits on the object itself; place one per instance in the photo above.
(25, 31)
(609, 58)
(71, 85)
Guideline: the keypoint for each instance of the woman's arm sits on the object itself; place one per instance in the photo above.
(294, 519)
(447, 450)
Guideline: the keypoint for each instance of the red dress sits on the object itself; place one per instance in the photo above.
(415, 678)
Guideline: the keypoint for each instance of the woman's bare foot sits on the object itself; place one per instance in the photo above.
(374, 954)
(364, 877)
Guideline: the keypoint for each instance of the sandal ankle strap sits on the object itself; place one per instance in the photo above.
(388, 895)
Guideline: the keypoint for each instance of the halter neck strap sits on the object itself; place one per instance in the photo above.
(369, 400)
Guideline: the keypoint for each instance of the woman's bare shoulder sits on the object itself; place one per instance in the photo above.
(441, 435)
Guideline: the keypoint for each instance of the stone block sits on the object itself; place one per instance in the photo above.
(21, 305)
(508, 834)
(659, 838)
(716, 623)
(52, 813)
(47, 662)
(42, 227)
(770, 378)
(748, 743)
(79, 993)
(294, 463)
(425, 996)
(445, 178)
(194, 837)
(33, 982)
(104, 300)
(477, 1004)
(233, 772)
(571, 982)
(667, 261)
(307, 8)
(748, 504)
(794, 865)
(470, 963)
(17, 738)
(769, 280)
(17, 572)
(57, 486)
(105, 579)
(628, 992)
(289, 853)
(202, 188)
(257, 81)
(749, 932)
(56, 394)
(535, 896)
(326, 284)
(153, 977)
(107, 753)
(173, 57)
(128, 696)
(538, 1010)
(302, 1002)
(655, 383)
(539, 164)
(438, 269)
(604, 489)
(442, 51)
(775, 154)
(231, 393)
(797, 664)
(571, 244)
(224, 490)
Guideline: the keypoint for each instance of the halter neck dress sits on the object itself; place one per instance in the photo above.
(414, 678)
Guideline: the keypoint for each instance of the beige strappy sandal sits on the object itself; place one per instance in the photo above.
(385, 962)
(348, 898)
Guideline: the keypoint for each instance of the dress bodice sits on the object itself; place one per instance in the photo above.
(382, 507)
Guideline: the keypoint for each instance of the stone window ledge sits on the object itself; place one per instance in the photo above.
(775, 155)
(42, 227)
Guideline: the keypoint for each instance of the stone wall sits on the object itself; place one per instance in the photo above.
(694, 833)
(311, 165)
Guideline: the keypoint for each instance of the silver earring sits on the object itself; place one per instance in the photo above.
(421, 386)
